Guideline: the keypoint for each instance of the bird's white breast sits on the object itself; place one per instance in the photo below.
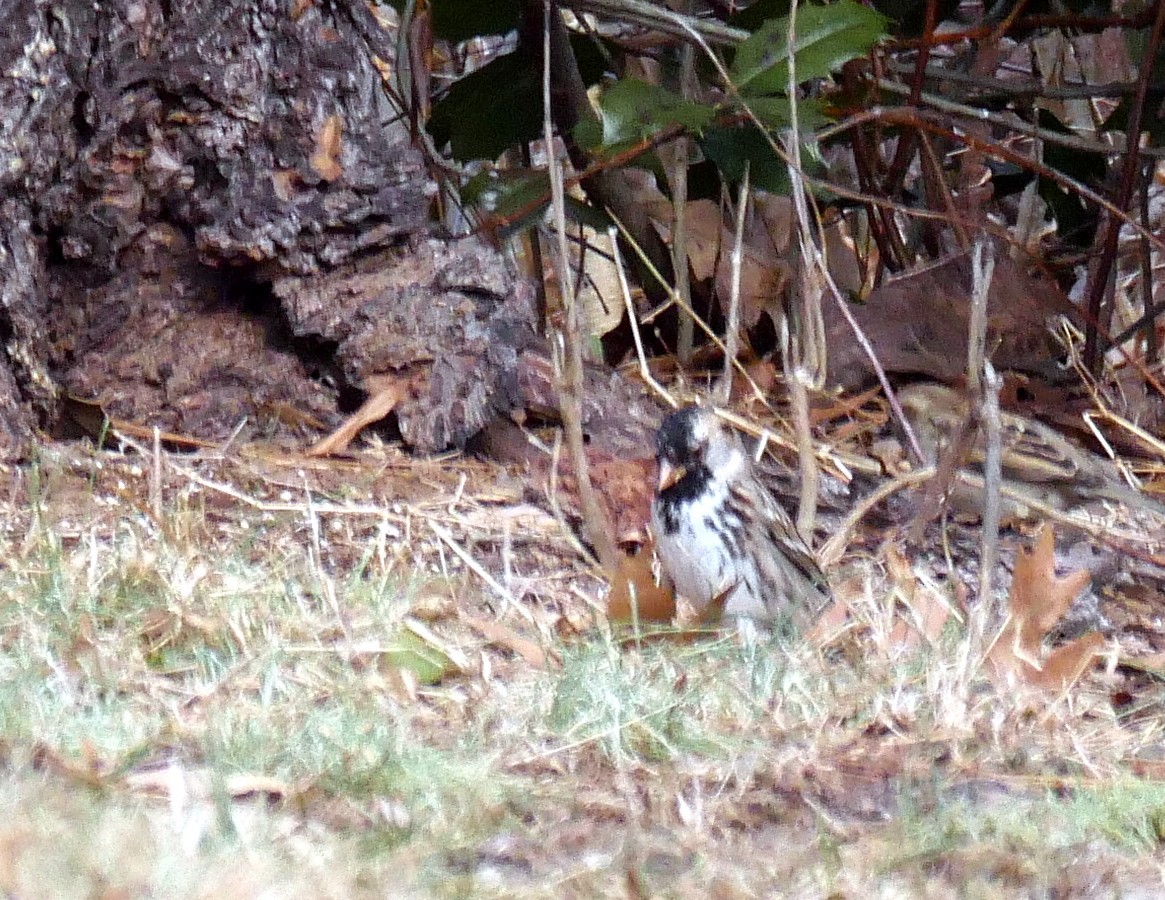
(695, 556)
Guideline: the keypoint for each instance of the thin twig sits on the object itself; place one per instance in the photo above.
(986, 88)
(946, 474)
(1151, 343)
(905, 150)
(832, 549)
(480, 571)
(982, 270)
(984, 385)
(1011, 122)
(732, 334)
(552, 498)
(919, 118)
(806, 455)
(992, 478)
(632, 318)
(679, 246)
(804, 325)
(658, 17)
(570, 384)
(673, 298)
(1099, 285)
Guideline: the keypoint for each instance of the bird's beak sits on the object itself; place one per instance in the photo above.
(669, 474)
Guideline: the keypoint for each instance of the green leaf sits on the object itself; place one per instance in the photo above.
(827, 37)
(408, 650)
(518, 195)
(459, 20)
(634, 110)
(731, 148)
(490, 110)
(588, 134)
(774, 112)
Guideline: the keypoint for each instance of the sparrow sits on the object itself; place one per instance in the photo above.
(723, 541)
(1037, 461)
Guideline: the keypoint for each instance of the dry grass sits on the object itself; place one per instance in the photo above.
(271, 677)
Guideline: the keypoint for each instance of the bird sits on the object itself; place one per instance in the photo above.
(723, 541)
(1037, 461)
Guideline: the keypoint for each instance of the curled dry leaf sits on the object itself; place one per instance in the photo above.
(764, 274)
(635, 590)
(831, 624)
(501, 635)
(928, 613)
(384, 393)
(762, 373)
(919, 323)
(1037, 602)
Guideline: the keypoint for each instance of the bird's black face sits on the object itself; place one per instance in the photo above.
(676, 440)
(680, 445)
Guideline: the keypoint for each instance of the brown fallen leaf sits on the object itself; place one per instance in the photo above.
(384, 393)
(635, 592)
(919, 322)
(1150, 665)
(928, 612)
(1037, 602)
(501, 635)
(764, 272)
(90, 417)
(830, 624)
(762, 373)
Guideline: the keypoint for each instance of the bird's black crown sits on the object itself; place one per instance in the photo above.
(676, 439)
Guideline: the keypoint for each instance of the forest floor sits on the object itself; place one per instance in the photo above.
(261, 675)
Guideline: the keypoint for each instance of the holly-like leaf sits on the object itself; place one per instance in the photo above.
(731, 148)
(634, 110)
(826, 37)
(776, 112)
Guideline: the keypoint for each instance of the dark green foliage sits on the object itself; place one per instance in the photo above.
(1075, 219)
(635, 110)
(460, 20)
(500, 105)
(827, 37)
(731, 148)
(496, 107)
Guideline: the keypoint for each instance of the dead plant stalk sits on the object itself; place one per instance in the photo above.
(985, 385)
(732, 335)
(569, 366)
(805, 360)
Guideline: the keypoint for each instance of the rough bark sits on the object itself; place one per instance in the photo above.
(174, 172)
